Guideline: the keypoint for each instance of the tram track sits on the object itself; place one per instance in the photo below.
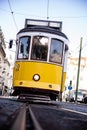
(44, 117)
(17, 115)
(26, 120)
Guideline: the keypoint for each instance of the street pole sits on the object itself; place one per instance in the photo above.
(78, 72)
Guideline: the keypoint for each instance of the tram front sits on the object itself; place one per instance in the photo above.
(41, 57)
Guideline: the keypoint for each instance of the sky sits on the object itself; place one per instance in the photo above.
(72, 13)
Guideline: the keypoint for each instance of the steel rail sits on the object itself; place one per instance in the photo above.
(34, 120)
(20, 122)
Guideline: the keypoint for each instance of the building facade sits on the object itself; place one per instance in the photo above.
(5, 75)
(72, 69)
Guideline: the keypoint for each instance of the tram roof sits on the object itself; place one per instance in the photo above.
(43, 29)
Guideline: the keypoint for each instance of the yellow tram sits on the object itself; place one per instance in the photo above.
(41, 59)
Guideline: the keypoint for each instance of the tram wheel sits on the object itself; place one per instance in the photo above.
(53, 97)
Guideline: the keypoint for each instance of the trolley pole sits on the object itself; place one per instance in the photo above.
(78, 72)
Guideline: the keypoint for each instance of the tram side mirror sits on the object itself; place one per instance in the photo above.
(66, 47)
(22, 48)
(10, 43)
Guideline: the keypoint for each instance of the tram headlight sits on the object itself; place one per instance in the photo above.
(36, 77)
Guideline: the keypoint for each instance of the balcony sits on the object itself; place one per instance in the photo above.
(2, 50)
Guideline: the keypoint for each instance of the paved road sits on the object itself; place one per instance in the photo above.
(50, 115)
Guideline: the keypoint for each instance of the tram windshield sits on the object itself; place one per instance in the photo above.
(39, 48)
(56, 51)
(24, 45)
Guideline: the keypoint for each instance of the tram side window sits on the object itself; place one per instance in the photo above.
(39, 48)
(23, 49)
(56, 51)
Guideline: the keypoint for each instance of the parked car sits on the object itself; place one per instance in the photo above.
(85, 99)
(72, 94)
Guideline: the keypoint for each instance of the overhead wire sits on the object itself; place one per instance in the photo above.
(39, 16)
(76, 50)
(64, 17)
(5, 10)
(18, 13)
(47, 9)
(12, 15)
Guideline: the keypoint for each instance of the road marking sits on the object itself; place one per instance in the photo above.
(74, 111)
